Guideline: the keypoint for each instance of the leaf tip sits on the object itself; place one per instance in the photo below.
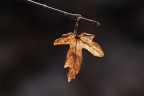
(101, 54)
(69, 79)
(65, 66)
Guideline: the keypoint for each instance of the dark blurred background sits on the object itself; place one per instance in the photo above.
(31, 66)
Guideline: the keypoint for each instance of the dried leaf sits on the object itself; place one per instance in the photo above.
(74, 55)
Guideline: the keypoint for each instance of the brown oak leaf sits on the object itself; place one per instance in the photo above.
(74, 55)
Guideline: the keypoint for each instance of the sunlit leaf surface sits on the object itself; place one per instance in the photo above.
(74, 55)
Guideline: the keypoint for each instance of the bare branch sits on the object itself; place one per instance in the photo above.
(64, 13)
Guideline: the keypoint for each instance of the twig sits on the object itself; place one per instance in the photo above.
(64, 13)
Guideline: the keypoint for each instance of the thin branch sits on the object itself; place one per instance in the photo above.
(64, 13)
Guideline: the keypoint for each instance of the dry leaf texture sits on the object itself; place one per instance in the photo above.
(74, 55)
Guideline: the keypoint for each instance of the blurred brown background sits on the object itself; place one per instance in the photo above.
(31, 66)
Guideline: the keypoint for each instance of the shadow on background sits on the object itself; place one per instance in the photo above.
(31, 66)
